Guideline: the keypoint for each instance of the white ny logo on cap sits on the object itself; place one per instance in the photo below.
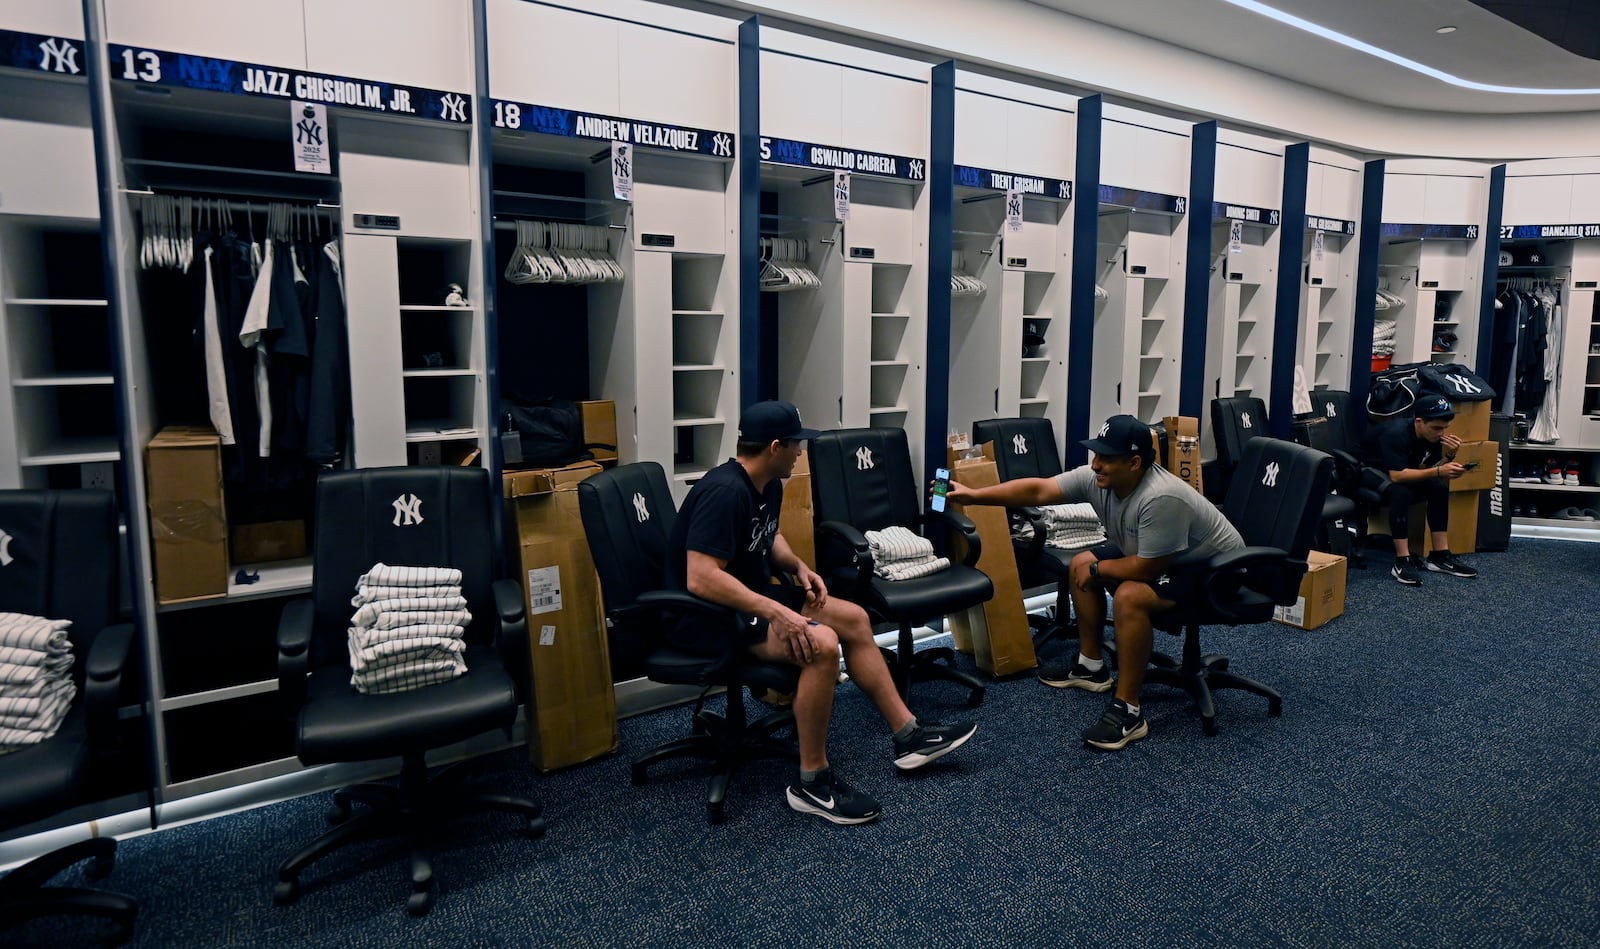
(1105, 428)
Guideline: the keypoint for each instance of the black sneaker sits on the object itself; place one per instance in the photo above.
(831, 799)
(1065, 675)
(1117, 728)
(1442, 561)
(930, 741)
(1405, 571)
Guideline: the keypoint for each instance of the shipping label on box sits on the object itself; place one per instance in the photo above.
(1321, 597)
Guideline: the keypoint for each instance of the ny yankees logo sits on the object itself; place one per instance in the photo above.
(1331, 411)
(1244, 420)
(407, 512)
(308, 131)
(622, 165)
(640, 510)
(5, 548)
(57, 55)
(1064, 190)
(1019, 445)
(722, 145)
(1105, 428)
(1269, 476)
(915, 166)
(864, 458)
(1180, 205)
(452, 107)
(1472, 231)
(1463, 385)
(1272, 217)
(1014, 205)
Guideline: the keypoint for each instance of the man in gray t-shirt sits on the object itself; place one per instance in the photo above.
(1151, 517)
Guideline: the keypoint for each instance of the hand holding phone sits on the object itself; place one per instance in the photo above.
(1469, 465)
(941, 485)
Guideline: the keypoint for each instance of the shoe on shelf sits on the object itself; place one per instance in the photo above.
(831, 799)
(1072, 675)
(1554, 473)
(1572, 473)
(930, 741)
(1405, 571)
(1442, 561)
(1117, 728)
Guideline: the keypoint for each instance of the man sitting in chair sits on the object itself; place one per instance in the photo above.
(724, 546)
(1420, 456)
(1151, 518)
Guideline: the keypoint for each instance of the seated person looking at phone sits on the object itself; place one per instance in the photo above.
(1419, 455)
(1151, 517)
(723, 548)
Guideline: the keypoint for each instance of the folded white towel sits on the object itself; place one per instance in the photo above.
(33, 632)
(12, 673)
(366, 594)
(911, 569)
(1081, 512)
(20, 731)
(410, 675)
(379, 655)
(34, 700)
(23, 656)
(364, 637)
(428, 609)
(383, 575)
(1075, 538)
(896, 544)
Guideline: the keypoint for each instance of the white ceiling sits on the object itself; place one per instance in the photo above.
(1484, 48)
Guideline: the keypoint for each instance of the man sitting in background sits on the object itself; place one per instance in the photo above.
(1419, 455)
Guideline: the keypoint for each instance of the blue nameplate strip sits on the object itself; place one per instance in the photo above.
(570, 123)
(1314, 223)
(784, 151)
(1442, 232)
(186, 71)
(1143, 200)
(1271, 217)
(1056, 189)
(1520, 232)
(56, 55)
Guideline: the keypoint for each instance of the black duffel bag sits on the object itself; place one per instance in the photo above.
(550, 431)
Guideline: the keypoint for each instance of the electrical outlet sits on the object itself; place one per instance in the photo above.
(430, 453)
(99, 475)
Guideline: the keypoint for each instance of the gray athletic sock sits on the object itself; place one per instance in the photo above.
(808, 777)
(906, 729)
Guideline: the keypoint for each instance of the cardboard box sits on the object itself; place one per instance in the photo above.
(572, 710)
(1183, 450)
(1463, 533)
(1471, 423)
(1321, 593)
(600, 426)
(263, 543)
(1487, 455)
(188, 523)
(998, 630)
(795, 518)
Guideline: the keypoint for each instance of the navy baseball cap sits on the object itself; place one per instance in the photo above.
(773, 421)
(1123, 435)
(1435, 406)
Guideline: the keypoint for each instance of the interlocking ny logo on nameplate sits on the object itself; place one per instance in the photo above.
(863, 458)
(5, 548)
(407, 511)
(1019, 445)
(640, 509)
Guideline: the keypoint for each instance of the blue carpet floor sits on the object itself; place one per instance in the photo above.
(1432, 782)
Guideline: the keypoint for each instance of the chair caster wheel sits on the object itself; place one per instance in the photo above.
(100, 867)
(638, 776)
(286, 892)
(975, 698)
(714, 813)
(535, 828)
(338, 813)
(1275, 708)
(420, 902)
(1209, 726)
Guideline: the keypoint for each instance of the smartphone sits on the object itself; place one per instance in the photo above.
(1469, 465)
(941, 485)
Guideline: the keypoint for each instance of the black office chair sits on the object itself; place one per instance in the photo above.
(1363, 484)
(628, 516)
(861, 480)
(1275, 501)
(59, 554)
(1026, 448)
(424, 516)
(1235, 422)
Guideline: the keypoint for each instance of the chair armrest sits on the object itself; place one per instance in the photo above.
(959, 525)
(659, 600)
(1264, 570)
(841, 546)
(102, 682)
(511, 631)
(1375, 480)
(294, 652)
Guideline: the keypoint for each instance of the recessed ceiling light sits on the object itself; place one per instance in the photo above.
(1445, 29)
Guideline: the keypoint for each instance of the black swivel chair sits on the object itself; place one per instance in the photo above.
(1363, 484)
(861, 480)
(1275, 502)
(628, 516)
(1234, 423)
(59, 559)
(424, 516)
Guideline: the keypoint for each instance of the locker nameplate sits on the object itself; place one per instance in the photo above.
(41, 53)
(658, 240)
(863, 253)
(381, 222)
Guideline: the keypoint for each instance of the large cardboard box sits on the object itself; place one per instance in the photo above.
(1487, 456)
(188, 523)
(795, 518)
(1183, 449)
(1471, 423)
(600, 428)
(1463, 533)
(1002, 642)
(572, 709)
(1321, 596)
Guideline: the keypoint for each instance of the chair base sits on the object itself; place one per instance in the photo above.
(727, 742)
(1201, 675)
(415, 809)
(908, 664)
(24, 895)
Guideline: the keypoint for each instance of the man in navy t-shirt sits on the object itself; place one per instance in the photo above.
(1419, 454)
(724, 547)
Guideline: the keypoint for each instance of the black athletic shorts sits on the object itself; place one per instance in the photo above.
(695, 635)
(1175, 586)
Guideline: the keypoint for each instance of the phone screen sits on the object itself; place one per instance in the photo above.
(941, 484)
(1470, 465)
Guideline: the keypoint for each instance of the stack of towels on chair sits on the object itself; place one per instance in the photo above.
(407, 629)
(36, 688)
(1071, 526)
(899, 554)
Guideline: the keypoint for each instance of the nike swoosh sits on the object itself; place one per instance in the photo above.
(934, 741)
(754, 620)
(824, 801)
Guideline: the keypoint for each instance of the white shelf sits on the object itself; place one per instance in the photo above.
(65, 379)
(888, 410)
(436, 373)
(696, 367)
(894, 316)
(690, 421)
(880, 363)
(278, 578)
(1564, 488)
(1036, 400)
(435, 308)
(696, 312)
(1034, 359)
(46, 301)
(75, 451)
(688, 472)
(438, 432)
(1152, 356)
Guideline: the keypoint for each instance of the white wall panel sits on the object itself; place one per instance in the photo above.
(1337, 194)
(1249, 177)
(1585, 199)
(553, 57)
(693, 216)
(1041, 141)
(47, 169)
(433, 199)
(377, 395)
(416, 42)
(800, 99)
(1403, 199)
(1448, 200)
(270, 32)
(50, 17)
(685, 80)
(881, 113)
(981, 136)
(841, 53)
(1132, 156)
(1544, 199)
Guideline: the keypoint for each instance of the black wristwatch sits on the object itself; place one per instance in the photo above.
(1094, 569)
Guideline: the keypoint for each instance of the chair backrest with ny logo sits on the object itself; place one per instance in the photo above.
(1275, 500)
(1037, 457)
(867, 496)
(59, 559)
(628, 517)
(412, 517)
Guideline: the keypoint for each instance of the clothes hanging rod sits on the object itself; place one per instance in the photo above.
(235, 203)
(504, 223)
